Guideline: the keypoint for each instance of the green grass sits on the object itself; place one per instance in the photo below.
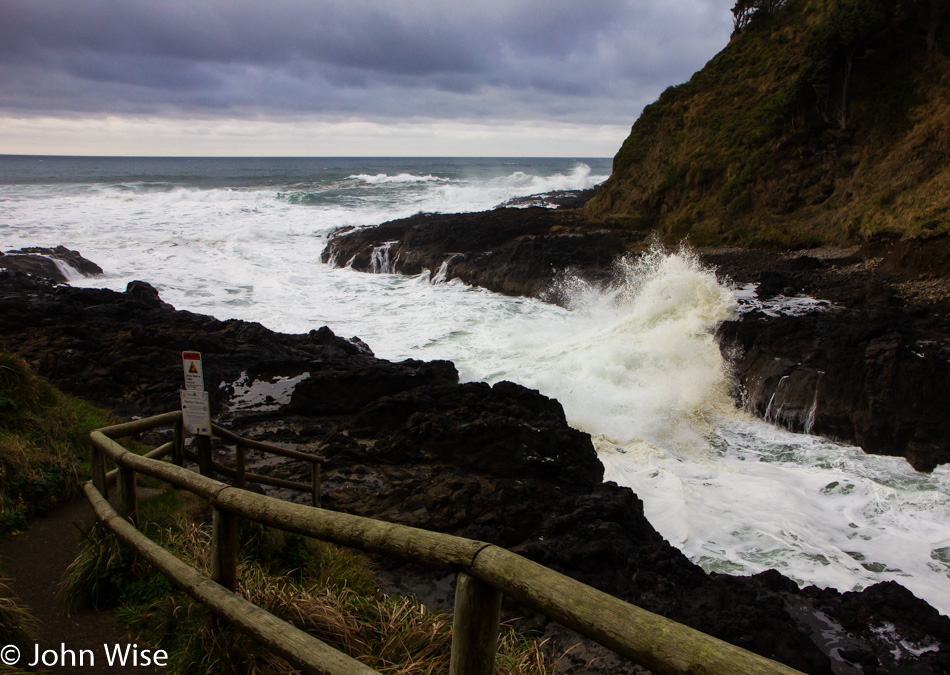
(44, 444)
(329, 592)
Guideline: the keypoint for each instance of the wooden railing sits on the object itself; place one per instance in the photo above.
(485, 572)
(203, 457)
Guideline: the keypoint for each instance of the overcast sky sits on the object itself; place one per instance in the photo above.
(342, 77)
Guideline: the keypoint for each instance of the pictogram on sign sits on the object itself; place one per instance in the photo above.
(194, 378)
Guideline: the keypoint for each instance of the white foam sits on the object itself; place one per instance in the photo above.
(820, 512)
(69, 272)
(635, 365)
(778, 305)
(383, 179)
(633, 362)
(580, 178)
(262, 394)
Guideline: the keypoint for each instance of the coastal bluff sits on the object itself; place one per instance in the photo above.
(407, 442)
(822, 122)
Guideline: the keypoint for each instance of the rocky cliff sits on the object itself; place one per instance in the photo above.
(821, 122)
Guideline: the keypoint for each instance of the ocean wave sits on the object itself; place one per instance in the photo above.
(166, 194)
(383, 178)
(580, 178)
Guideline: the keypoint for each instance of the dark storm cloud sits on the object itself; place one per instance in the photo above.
(592, 61)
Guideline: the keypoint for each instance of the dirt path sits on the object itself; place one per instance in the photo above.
(35, 561)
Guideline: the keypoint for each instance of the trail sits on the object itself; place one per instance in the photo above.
(34, 561)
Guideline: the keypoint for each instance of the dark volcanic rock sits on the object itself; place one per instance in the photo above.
(123, 350)
(33, 265)
(404, 442)
(336, 387)
(570, 199)
(508, 250)
(492, 430)
(145, 293)
(874, 370)
(849, 376)
(439, 459)
(40, 262)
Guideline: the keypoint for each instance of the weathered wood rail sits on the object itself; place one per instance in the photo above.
(485, 572)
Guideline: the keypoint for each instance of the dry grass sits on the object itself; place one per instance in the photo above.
(326, 591)
(95, 576)
(17, 626)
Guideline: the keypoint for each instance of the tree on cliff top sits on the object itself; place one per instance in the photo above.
(746, 10)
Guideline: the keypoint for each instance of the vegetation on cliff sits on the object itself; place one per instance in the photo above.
(822, 122)
(44, 443)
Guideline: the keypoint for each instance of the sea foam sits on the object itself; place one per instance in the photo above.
(635, 363)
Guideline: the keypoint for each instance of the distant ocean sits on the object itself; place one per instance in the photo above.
(636, 365)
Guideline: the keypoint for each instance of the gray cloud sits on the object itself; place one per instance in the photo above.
(597, 61)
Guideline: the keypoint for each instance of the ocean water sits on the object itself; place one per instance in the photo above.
(635, 364)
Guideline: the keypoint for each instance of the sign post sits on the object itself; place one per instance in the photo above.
(196, 410)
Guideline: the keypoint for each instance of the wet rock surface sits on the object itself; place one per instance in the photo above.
(516, 251)
(405, 442)
(874, 371)
(42, 262)
(873, 368)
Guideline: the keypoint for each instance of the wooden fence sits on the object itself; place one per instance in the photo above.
(484, 572)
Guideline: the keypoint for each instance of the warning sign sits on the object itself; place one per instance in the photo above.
(195, 412)
(194, 378)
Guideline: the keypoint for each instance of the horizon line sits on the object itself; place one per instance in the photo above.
(77, 156)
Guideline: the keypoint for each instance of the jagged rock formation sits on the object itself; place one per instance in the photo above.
(874, 372)
(516, 251)
(873, 369)
(406, 442)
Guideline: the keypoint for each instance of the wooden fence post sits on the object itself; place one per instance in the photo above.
(127, 496)
(178, 451)
(203, 448)
(315, 483)
(224, 548)
(475, 627)
(240, 466)
(98, 467)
